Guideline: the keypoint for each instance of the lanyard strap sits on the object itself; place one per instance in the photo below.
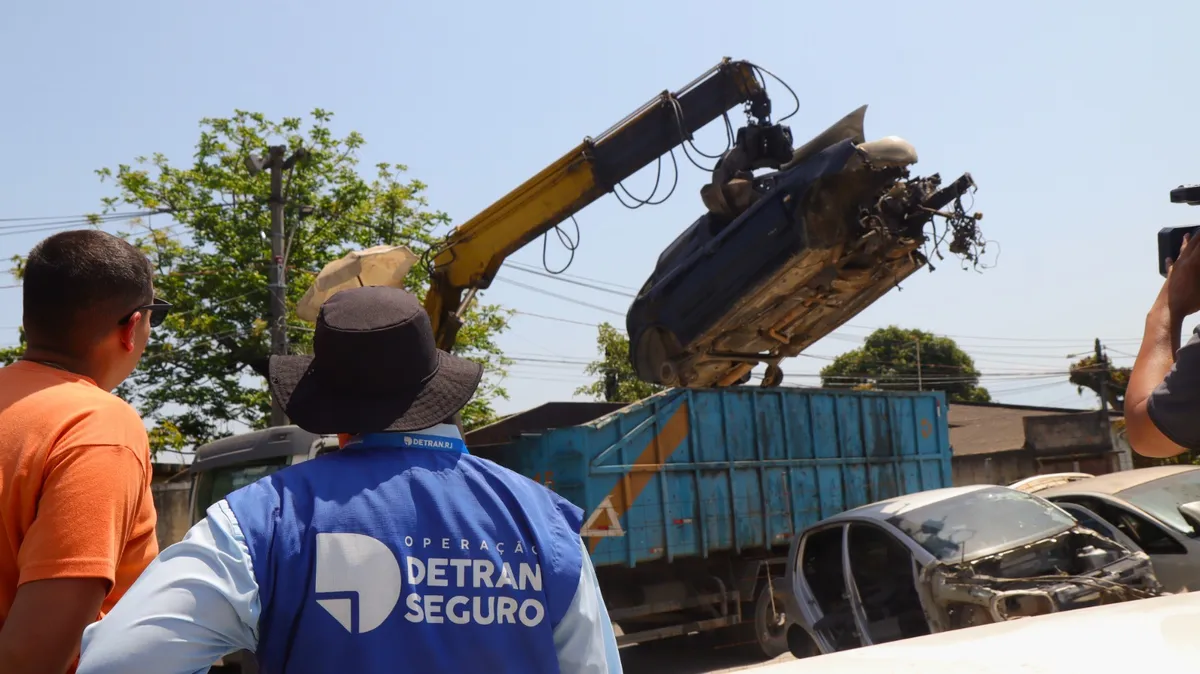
(409, 441)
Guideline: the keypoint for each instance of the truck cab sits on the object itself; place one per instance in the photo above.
(231, 463)
(228, 464)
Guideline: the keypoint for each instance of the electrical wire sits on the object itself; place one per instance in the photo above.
(602, 282)
(1029, 343)
(685, 139)
(649, 201)
(565, 240)
(561, 320)
(565, 298)
(583, 284)
(47, 223)
(760, 70)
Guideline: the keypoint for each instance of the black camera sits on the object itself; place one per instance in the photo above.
(1186, 194)
(1171, 238)
(1169, 241)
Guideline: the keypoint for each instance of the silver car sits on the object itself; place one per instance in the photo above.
(1156, 510)
(944, 559)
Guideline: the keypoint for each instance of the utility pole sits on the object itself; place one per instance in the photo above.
(277, 162)
(610, 377)
(920, 384)
(1102, 362)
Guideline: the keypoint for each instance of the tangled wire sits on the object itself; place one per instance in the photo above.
(966, 238)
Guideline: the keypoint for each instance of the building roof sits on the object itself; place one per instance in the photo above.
(989, 428)
(1114, 483)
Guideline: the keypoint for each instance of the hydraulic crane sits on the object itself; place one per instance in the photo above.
(472, 254)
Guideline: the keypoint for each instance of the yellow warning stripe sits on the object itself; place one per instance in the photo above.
(653, 456)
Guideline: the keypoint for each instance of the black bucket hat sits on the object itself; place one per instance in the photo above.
(375, 367)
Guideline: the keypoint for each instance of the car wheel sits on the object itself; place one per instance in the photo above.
(769, 623)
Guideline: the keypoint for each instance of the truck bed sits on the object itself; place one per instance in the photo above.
(697, 472)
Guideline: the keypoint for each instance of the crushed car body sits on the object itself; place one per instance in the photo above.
(946, 559)
(1076, 569)
(1155, 510)
(783, 259)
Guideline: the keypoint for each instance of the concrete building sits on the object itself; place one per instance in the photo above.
(995, 443)
(171, 487)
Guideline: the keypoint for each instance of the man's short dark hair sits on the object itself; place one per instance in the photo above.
(77, 286)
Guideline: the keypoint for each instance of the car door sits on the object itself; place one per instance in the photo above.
(1098, 524)
(823, 603)
(882, 581)
(1174, 567)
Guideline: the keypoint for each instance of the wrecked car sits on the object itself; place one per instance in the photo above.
(1155, 510)
(782, 259)
(945, 559)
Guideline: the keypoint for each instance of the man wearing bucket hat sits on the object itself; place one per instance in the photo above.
(401, 552)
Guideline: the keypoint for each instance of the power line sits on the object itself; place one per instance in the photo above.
(1010, 342)
(46, 220)
(583, 284)
(561, 297)
(999, 339)
(563, 320)
(583, 281)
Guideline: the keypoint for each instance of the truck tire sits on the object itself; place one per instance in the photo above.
(766, 627)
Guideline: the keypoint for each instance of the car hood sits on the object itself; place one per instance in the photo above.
(1151, 635)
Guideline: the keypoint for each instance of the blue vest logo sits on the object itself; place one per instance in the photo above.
(358, 580)
(472, 590)
(429, 442)
(359, 583)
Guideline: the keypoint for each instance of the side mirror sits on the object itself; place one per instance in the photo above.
(1191, 514)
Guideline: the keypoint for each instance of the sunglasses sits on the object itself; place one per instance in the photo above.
(157, 309)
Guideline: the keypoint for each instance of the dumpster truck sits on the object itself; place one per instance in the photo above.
(691, 497)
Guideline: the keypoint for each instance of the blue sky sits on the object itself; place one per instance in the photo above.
(1076, 119)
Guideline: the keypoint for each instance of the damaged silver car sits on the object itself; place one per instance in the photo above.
(945, 559)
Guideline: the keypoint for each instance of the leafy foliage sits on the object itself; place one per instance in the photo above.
(10, 354)
(888, 360)
(617, 382)
(1091, 372)
(211, 255)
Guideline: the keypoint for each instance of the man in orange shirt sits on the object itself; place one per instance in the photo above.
(76, 515)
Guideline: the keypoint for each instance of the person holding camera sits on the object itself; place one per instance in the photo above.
(1162, 401)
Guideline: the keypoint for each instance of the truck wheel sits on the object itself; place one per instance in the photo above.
(769, 621)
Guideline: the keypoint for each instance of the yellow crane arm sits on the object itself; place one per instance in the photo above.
(474, 251)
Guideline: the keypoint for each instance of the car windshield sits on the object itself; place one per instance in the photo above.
(1162, 498)
(214, 485)
(981, 522)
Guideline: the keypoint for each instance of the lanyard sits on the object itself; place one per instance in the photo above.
(409, 441)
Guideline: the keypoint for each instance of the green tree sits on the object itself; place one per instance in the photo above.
(887, 360)
(616, 381)
(211, 254)
(1090, 373)
(9, 354)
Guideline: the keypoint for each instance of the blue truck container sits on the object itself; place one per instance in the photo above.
(693, 496)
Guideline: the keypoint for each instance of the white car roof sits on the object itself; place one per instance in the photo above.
(1113, 483)
(882, 510)
(1154, 635)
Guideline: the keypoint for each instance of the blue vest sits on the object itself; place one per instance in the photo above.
(408, 558)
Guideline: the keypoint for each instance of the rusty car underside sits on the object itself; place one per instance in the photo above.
(863, 227)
